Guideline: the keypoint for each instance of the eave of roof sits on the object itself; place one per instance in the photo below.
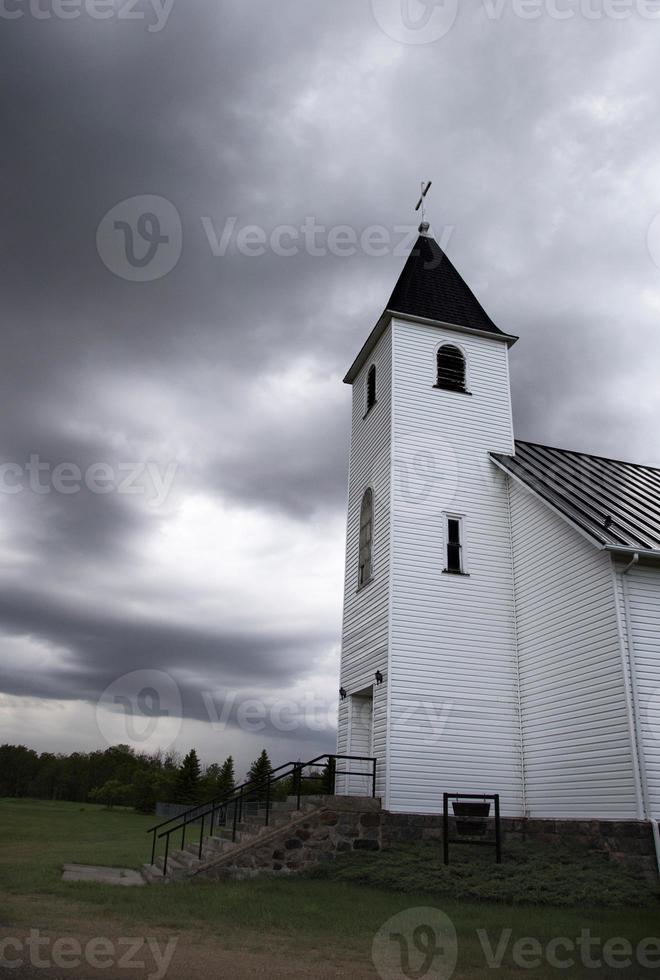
(614, 504)
(388, 315)
(430, 290)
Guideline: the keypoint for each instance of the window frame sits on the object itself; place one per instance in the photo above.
(462, 544)
(465, 390)
(367, 405)
(363, 584)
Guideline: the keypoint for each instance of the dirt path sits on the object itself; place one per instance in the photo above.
(115, 954)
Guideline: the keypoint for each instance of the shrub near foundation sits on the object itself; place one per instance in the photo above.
(531, 874)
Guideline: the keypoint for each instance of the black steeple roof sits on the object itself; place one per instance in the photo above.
(430, 287)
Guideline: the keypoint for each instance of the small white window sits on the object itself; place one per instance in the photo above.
(454, 545)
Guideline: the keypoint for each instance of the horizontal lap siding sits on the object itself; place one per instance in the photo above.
(341, 783)
(365, 625)
(578, 760)
(453, 724)
(643, 587)
(379, 747)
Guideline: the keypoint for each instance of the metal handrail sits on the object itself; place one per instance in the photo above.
(241, 794)
(215, 799)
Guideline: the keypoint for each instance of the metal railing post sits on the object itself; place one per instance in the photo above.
(233, 832)
(216, 809)
(201, 838)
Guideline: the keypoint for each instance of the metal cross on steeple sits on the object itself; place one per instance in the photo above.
(424, 226)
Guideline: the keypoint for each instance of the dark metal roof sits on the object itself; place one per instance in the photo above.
(431, 290)
(616, 504)
(430, 287)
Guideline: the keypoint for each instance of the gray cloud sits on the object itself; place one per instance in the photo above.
(540, 139)
(101, 648)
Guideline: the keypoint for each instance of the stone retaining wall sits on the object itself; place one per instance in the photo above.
(343, 824)
(628, 841)
(340, 824)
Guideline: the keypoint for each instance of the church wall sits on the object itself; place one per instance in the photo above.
(453, 686)
(643, 590)
(578, 756)
(365, 624)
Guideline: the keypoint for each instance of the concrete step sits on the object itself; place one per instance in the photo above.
(249, 827)
(254, 825)
(153, 875)
(222, 833)
(174, 868)
(218, 845)
(179, 862)
(186, 858)
(210, 849)
(280, 818)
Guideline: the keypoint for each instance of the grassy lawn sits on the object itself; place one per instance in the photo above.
(531, 874)
(323, 920)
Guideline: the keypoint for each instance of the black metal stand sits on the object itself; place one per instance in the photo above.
(474, 797)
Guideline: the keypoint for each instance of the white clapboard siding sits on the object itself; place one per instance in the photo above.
(365, 623)
(643, 590)
(578, 758)
(454, 723)
(341, 783)
(379, 744)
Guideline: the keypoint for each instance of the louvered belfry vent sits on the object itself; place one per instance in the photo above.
(371, 387)
(366, 537)
(451, 368)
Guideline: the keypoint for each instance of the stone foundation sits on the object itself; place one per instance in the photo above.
(628, 841)
(341, 824)
(338, 825)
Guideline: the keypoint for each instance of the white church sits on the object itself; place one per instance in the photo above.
(501, 628)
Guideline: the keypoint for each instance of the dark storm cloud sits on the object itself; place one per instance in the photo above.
(101, 648)
(541, 141)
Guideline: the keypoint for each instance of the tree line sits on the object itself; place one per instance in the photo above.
(120, 776)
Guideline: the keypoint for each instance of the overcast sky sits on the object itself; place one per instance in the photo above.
(216, 571)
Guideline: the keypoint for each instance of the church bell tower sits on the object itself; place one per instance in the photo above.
(428, 661)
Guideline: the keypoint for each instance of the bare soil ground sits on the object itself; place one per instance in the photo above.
(195, 957)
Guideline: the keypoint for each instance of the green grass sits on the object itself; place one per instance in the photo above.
(81, 833)
(329, 918)
(531, 874)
